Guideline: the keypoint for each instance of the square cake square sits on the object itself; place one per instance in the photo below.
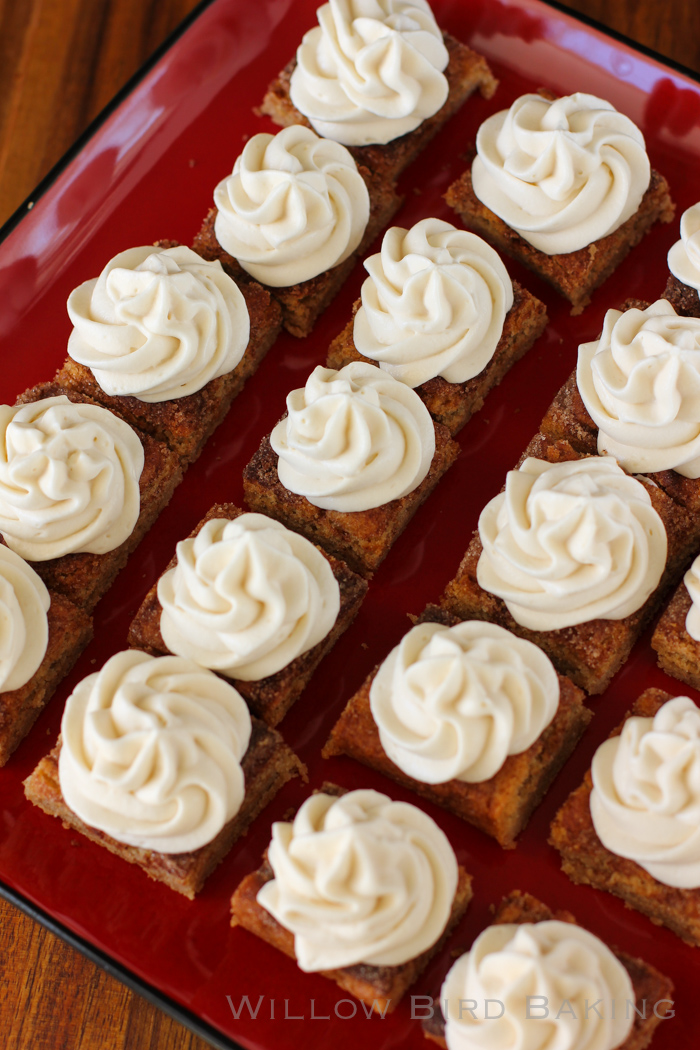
(269, 698)
(587, 861)
(500, 806)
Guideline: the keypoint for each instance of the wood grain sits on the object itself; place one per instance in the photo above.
(61, 61)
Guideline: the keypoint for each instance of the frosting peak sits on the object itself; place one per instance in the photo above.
(247, 597)
(295, 206)
(434, 303)
(69, 478)
(645, 802)
(641, 385)
(152, 750)
(571, 542)
(561, 173)
(359, 878)
(353, 439)
(522, 966)
(158, 325)
(684, 256)
(371, 70)
(454, 702)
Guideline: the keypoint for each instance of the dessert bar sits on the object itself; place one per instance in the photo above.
(269, 697)
(586, 860)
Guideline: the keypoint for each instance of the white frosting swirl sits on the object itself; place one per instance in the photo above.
(371, 70)
(158, 325)
(295, 206)
(360, 879)
(454, 702)
(69, 478)
(692, 583)
(684, 256)
(353, 439)
(24, 628)
(641, 385)
(152, 750)
(247, 597)
(571, 542)
(645, 802)
(433, 305)
(562, 174)
(518, 971)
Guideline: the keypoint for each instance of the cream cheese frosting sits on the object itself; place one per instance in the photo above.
(692, 583)
(360, 878)
(434, 304)
(151, 752)
(353, 439)
(454, 702)
(294, 207)
(571, 542)
(641, 385)
(514, 971)
(645, 802)
(684, 255)
(561, 173)
(247, 597)
(69, 478)
(158, 325)
(24, 629)
(371, 70)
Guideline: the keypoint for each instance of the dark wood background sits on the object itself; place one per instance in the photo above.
(61, 61)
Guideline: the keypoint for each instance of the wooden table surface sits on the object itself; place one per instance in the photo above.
(61, 61)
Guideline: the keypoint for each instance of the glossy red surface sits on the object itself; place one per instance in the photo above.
(149, 172)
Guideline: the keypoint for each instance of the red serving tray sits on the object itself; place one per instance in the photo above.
(148, 171)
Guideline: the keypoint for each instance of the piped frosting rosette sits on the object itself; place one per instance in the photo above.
(247, 597)
(513, 972)
(353, 439)
(641, 385)
(24, 630)
(645, 802)
(571, 542)
(434, 304)
(69, 478)
(294, 207)
(371, 70)
(454, 702)
(684, 256)
(158, 325)
(561, 173)
(151, 752)
(360, 878)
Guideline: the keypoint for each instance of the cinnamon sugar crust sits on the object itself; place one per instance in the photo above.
(575, 275)
(684, 299)
(269, 698)
(84, 578)
(587, 861)
(678, 653)
(453, 404)
(70, 630)
(649, 984)
(589, 653)
(267, 765)
(500, 806)
(466, 72)
(360, 538)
